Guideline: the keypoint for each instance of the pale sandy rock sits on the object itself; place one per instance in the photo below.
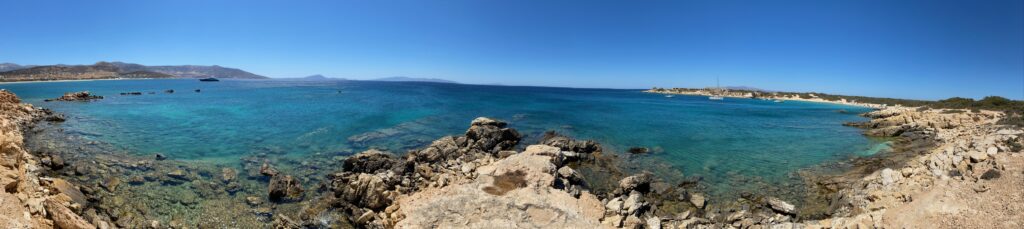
(977, 156)
(64, 217)
(514, 192)
(781, 206)
(992, 150)
(612, 221)
(535, 163)
(632, 222)
(697, 200)
(889, 177)
(614, 205)
(633, 203)
(634, 182)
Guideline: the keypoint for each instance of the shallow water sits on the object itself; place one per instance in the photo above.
(735, 144)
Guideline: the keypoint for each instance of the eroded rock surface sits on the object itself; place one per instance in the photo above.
(514, 191)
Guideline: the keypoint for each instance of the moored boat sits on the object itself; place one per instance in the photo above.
(211, 79)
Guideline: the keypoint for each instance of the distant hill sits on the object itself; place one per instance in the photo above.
(100, 70)
(315, 77)
(413, 79)
(11, 67)
(144, 75)
(111, 70)
(191, 71)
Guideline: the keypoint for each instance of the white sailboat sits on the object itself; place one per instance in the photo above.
(718, 89)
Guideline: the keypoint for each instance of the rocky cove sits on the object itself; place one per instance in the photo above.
(490, 177)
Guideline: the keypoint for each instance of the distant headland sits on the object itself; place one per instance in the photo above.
(117, 70)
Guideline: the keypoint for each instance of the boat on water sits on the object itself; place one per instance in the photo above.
(669, 96)
(716, 95)
(778, 101)
(211, 79)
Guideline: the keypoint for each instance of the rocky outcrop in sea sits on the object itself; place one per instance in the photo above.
(82, 96)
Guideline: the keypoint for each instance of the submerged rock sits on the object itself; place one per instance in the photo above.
(228, 175)
(178, 174)
(639, 150)
(284, 188)
(110, 184)
(267, 170)
(253, 201)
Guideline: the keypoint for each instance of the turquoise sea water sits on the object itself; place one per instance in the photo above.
(735, 144)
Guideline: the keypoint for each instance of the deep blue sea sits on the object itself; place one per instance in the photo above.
(733, 144)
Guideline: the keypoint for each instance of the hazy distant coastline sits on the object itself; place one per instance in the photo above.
(757, 94)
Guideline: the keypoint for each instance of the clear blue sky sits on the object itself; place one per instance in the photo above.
(909, 49)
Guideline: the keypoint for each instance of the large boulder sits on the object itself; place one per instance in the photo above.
(574, 149)
(363, 190)
(639, 182)
(489, 135)
(484, 135)
(372, 161)
(441, 149)
(284, 188)
(63, 186)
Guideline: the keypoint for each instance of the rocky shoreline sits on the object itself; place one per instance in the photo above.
(27, 199)
(489, 178)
